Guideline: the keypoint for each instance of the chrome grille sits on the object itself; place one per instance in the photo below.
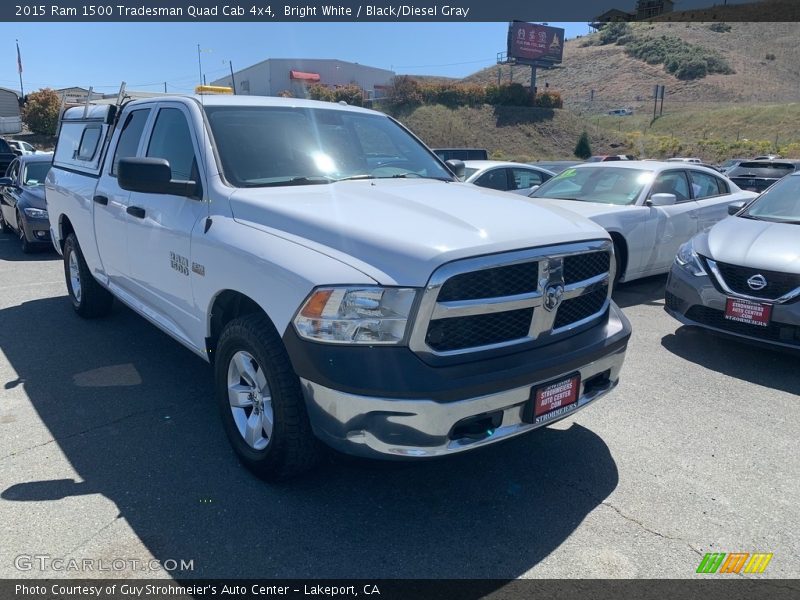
(506, 299)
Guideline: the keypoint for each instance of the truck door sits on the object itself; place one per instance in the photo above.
(160, 226)
(110, 201)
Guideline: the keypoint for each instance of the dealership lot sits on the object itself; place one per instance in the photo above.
(111, 448)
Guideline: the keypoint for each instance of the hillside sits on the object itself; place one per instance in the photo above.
(523, 134)
(620, 80)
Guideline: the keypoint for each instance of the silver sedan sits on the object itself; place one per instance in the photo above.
(743, 276)
(518, 178)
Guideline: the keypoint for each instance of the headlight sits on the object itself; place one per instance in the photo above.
(35, 213)
(688, 259)
(356, 315)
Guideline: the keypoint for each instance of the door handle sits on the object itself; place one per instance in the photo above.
(101, 200)
(135, 211)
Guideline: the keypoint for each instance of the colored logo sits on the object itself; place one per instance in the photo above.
(734, 562)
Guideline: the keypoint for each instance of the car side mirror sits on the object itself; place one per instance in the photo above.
(662, 199)
(6, 181)
(152, 176)
(458, 167)
(533, 189)
(733, 207)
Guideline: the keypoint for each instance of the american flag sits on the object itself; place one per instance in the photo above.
(19, 60)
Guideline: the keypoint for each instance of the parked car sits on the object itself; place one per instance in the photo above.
(556, 166)
(758, 175)
(609, 157)
(519, 178)
(768, 157)
(386, 310)
(696, 161)
(461, 153)
(621, 112)
(7, 154)
(22, 148)
(742, 277)
(22, 201)
(729, 164)
(649, 208)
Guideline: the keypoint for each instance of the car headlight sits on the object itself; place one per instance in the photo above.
(35, 213)
(688, 259)
(356, 315)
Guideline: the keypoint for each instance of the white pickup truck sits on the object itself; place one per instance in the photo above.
(344, 285)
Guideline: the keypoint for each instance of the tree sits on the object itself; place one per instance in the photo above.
(40, 112)
(583, 149)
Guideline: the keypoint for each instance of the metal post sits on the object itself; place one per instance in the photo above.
(533, 81)
(233, 81)
(663, 92)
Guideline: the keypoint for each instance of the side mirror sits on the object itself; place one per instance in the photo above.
(733, 207)
(662, 199)
(533, 189)
(458, 167)
(6, 182)
(152, 176)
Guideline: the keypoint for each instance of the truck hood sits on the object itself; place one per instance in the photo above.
(750, 243)
(398, 231)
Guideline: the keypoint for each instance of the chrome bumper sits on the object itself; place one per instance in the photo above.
(397, 428)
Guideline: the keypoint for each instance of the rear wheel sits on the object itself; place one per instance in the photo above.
(260, 401)
(89, 298)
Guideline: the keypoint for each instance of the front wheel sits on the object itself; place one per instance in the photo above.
(24, 244)
(260, 401)
(89, 298)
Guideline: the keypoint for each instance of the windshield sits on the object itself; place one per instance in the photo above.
(35, 173)
(754, 169)
(780, 203)
(606, 185)
(262, 146)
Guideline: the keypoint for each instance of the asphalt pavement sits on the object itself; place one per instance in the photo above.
(111, 449)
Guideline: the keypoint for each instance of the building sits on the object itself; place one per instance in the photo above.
(273, 76)
(76, 95)
(614, 15)
(10, 119)
(649, 9)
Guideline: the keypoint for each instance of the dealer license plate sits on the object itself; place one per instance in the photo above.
(554, 399)
(744, 311)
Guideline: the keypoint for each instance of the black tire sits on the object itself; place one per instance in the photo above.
(618, 264)
(93, 300)
(291, 448)
(24, 244)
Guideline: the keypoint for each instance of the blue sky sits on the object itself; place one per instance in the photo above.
(146, 55)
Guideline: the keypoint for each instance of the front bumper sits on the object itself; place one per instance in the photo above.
(37, 231)
(696, 301)
(435, 411)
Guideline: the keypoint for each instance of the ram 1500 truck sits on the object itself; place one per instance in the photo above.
(346, 288)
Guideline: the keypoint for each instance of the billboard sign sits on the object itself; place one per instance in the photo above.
(530, 43)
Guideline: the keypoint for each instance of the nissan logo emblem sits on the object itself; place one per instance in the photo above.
(757, 282)
(552, 296)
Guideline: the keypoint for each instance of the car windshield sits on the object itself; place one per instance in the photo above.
(602, 184)
(35, 173)
(770, 170)
(780, 203)
(261, 146)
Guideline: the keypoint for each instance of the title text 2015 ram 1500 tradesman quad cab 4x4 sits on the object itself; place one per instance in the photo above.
(345, 287)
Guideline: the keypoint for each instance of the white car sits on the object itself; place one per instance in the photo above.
(696, 161)
(649, 208)
(517, 178)
(22, 147)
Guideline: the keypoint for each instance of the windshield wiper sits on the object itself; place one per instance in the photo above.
(352, 177)
(414, 175)
(313, 180)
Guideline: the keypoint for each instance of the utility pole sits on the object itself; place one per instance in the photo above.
(533, 81)
(233, 81)
(165, 87)
(19, 69)
(662, 94)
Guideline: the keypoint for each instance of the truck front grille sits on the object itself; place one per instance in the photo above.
(507, 299)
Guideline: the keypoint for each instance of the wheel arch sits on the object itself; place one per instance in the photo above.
(621, 246)
(228, 305)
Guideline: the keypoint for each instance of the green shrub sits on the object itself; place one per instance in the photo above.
(682, 59)
(404, 92)
(583, 148)
(612, 32)
(549, 100)
(720, 27)
(770, 56)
